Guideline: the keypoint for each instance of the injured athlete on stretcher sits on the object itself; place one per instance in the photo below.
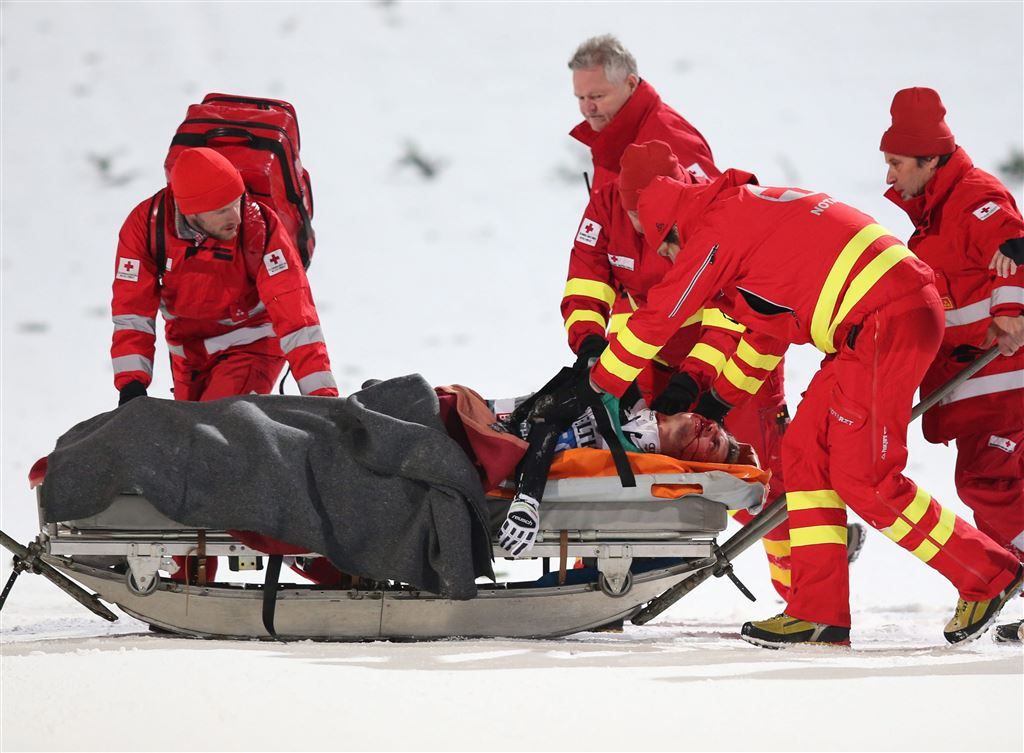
(614, 425)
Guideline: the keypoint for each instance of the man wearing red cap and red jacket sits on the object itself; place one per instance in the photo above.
(968, 228)
(232, 291)
(799, 267)
(609, 254)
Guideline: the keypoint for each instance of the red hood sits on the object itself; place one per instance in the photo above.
(667, 202)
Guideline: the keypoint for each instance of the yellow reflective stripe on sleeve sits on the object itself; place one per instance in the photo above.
(589, 289)
(614, 365)
(823, 498)
(780, 575)
(715, 318)
(582, 315)
(821, 320)
(637, 347)
(812, 535)
(776, 548)
(739, 380)
(712, 356)
(617, 322)
(746, 353)
(865, 280)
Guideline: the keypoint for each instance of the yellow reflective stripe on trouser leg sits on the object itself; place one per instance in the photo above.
(780, 575)
(913, 512)
(821, 320)
(812, 535)
(617, 322)
(583, 315)
(822, 498)
(589, 289)
(776, 548)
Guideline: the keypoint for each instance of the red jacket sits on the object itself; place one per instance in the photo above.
(960, 220)
(607, 256)
(215, 295)
(798, 267)
(644, 117)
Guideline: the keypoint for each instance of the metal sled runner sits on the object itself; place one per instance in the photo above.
(642, 541)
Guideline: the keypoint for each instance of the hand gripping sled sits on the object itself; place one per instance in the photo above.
(776, 512)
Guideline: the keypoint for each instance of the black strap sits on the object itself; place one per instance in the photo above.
(159, 241)
(604, 425)
(270, 587)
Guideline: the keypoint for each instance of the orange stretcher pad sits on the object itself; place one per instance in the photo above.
(591, 463)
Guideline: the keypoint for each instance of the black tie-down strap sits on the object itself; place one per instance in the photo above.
(724, 567)
(271, 584)
(604, 425)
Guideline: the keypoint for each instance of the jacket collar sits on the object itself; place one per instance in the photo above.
(921, 208)
(608, 144)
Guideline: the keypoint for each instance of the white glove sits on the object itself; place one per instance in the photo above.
(519, 531)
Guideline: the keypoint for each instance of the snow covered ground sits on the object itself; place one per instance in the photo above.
(459, 277)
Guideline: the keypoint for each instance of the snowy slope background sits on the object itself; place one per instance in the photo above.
(458, 277)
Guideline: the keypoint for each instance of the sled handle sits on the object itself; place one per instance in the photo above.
(977, 365)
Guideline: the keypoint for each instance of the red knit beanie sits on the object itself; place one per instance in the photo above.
(918, 125)
(642, 163)
(203, 180)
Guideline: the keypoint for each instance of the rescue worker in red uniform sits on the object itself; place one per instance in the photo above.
(968, 229)
(609, 273)
(609, 254)
(799, 267)
(232, 291)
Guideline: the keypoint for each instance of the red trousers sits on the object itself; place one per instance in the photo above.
(234, 372)
(990, 480)
(847, 445)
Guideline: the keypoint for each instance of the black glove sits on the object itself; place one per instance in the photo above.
(1013, 249)
(591, 347)
(678, 396)
(712, 407)
(131, 391)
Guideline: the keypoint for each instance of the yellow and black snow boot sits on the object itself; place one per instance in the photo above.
(972, 618)
(782, 630)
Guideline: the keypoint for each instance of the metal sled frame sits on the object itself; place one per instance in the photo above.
(580, 517)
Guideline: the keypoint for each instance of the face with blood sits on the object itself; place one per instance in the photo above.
(688, 436)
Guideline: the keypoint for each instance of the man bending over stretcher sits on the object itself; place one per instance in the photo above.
(685, 436)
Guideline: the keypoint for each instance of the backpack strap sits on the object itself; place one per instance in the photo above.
(156, 241)
(253, 237)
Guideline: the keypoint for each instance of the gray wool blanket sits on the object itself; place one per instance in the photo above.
(371, 481)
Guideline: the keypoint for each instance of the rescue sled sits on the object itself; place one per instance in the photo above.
(642, 541)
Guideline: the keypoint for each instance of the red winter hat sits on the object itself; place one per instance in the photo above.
(203, 180)
(642, 163)
(918, 125)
